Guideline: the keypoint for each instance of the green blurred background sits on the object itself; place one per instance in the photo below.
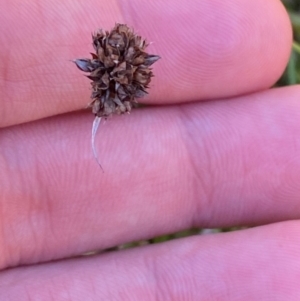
(291, 75)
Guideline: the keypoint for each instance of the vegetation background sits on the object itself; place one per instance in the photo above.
(291, 75)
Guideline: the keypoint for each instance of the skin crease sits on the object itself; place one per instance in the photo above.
(211, 164)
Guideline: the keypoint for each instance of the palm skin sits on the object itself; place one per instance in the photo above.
(217, 148)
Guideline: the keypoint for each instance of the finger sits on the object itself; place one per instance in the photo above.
(223, 163)
(257, 264)
(209, 49)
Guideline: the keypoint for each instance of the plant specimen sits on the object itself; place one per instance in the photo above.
(120, 72)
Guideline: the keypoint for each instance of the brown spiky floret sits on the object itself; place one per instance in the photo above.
(119, 69)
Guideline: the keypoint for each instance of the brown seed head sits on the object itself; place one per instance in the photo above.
(119, 69)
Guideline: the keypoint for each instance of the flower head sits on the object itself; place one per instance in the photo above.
(119, 69)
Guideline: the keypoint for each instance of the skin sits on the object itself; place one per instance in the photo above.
(218, 148)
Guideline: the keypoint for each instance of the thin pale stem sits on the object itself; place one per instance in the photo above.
(95, 127)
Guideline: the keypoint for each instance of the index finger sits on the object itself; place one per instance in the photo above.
(209, 49)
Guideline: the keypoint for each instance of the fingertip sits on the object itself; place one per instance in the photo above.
(213, 49)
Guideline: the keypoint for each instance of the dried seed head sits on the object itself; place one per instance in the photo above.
(119, 69)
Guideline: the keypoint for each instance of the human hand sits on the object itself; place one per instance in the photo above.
(231, 161)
